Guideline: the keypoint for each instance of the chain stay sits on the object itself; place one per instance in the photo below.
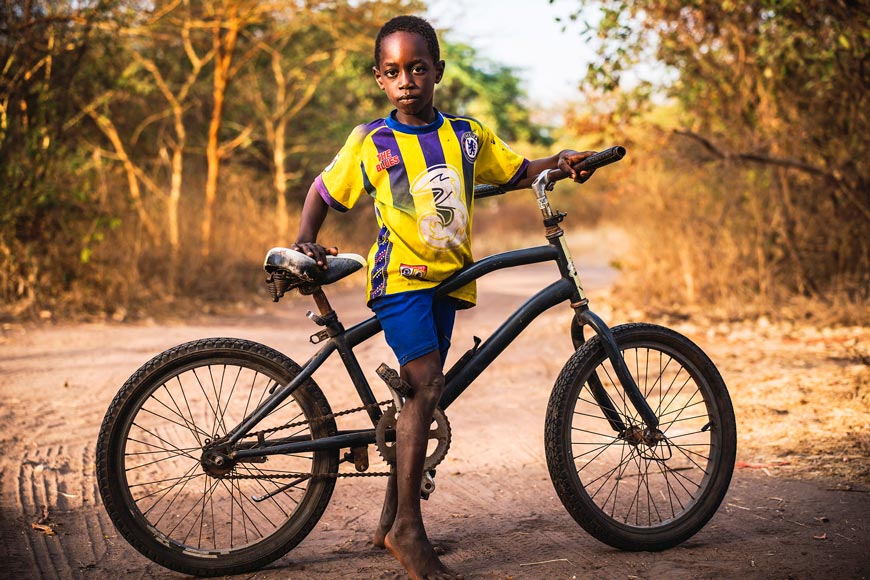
(294, 475)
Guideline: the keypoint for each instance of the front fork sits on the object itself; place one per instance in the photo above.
(584, 316)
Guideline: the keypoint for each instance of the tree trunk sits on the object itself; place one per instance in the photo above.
(130, 169)
(282, 222)
(224, 48)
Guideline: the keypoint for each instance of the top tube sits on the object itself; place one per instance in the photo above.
(497, 262)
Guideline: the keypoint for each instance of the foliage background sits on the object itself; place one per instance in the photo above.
(151, 152)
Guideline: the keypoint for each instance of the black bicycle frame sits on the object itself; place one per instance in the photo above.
(464, 371)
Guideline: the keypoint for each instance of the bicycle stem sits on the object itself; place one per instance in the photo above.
(541, 185)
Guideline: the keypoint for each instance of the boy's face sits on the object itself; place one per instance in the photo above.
(408, 74)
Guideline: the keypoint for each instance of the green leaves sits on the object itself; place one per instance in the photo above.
(478, 87)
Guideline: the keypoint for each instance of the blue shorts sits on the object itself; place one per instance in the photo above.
(416, 323)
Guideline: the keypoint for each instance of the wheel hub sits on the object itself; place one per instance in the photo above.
(216, 463)
(650, 443)
(637, 435)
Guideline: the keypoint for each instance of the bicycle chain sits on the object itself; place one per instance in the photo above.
(290, 474)
(258, 434)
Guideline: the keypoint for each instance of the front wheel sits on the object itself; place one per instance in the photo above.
(631, 488)
(183, 510)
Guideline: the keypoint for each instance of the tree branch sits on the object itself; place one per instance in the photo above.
(841, 184)
(756, 157)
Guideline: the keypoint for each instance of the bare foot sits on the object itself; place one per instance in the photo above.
(380, 536)
(412, 549)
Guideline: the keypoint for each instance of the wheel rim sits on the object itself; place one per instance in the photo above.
(638, 480)
(183, 503)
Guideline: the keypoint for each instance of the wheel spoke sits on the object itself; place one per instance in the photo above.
(162, 421)
(652, 480)
(162, 440)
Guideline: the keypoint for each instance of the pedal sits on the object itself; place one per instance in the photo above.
(393, 380)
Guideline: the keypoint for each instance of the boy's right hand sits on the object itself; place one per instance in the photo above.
(315, 251)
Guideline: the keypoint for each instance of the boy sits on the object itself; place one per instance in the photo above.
(420, 166)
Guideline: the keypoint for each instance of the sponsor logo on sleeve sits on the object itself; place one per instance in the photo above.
(332, 163)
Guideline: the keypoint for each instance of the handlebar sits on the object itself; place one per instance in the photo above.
(600, 159)
(481, 191)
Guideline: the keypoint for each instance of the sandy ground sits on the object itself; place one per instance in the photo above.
(798, 506)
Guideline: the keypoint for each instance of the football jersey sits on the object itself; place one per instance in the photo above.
(422, 180)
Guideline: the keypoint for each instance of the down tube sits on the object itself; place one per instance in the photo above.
(553, 294)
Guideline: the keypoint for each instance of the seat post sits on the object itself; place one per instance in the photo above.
(322, 303)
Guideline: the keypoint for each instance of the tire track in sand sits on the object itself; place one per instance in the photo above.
(56, 484)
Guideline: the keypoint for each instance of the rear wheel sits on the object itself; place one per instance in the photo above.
(629, 487)
(201, 514)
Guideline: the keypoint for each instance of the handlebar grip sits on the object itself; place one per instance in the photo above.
(602, 158)
(481, 191)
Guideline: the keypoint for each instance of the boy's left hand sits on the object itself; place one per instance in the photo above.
(568, 162)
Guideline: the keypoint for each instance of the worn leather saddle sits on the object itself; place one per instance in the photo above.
(289, 269)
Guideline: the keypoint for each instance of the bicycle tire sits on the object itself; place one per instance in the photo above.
(670, 489)
(156, 491)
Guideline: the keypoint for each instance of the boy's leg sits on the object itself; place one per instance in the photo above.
(388, 512)
(407, 538)
(444, 312)
(417, 327)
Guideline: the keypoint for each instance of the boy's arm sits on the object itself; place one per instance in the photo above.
(564, 160)
(313, 214)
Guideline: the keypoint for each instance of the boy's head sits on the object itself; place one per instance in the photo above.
(414, 25)
(408, 66)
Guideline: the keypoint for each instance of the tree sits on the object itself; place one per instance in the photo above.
(318, 51)
(476, 86)
(46, 209)
(226, 19)
(776, 90)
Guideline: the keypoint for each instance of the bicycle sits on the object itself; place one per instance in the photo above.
(640, 435)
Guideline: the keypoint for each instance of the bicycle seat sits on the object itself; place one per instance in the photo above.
(290, 269)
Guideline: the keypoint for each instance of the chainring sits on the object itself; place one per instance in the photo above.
(440, 433)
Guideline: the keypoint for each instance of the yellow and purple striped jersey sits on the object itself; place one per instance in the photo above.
(422, 180)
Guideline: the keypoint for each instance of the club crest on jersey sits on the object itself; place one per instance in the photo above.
(418, 272)
(470, 146)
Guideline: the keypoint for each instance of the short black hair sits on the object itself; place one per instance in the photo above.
(414, 25)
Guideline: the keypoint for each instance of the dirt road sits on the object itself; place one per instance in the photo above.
(789, 514)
